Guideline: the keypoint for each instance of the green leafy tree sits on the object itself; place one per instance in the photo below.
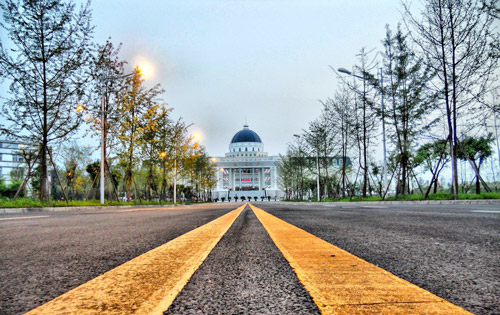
(75, 158)
(150, 142)
(181, 152)
(476, 151)
(17, 174)
(46, 70)
(433, 156)
(9, 190)
(101, 110)
(165, 131)
(133, 105)
(204, 172)
(93, 169)
(287, 174)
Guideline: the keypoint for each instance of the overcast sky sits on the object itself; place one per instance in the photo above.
(225, 62)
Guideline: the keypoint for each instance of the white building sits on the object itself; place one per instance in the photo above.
(246, 170)
(10, 158)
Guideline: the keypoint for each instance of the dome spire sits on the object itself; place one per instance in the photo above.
(245, 126)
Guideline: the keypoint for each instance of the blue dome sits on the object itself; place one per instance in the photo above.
(246, 135)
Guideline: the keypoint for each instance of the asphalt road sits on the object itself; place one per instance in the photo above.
(244, 274)
(451, 250)
(45, 254)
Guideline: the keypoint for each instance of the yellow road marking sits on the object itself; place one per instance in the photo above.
(341, 283)
(147, 284)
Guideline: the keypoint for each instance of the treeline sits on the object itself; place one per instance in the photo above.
(427, 99)
(61, 80)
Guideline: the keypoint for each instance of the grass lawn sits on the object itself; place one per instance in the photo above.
(437, 196)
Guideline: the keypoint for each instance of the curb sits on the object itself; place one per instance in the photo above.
(426, 202)
(414, 202)
(57, 209)
(82, 208)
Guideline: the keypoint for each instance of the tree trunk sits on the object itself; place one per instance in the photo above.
(475, 168)
(44, 178)
(128, 181)
(446, 92)
(43, 160)
(365, 149)
(434, 179)
(454, 102)
(478, 186)
(403, 176)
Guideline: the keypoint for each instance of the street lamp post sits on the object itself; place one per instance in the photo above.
(163, 155)
(175, 177)
(317, 170)
(103, 147)
(140, 70)
(381, 80)
(81, 108)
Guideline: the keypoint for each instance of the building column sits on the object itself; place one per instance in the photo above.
(253, 177)
(260, 179)
(272, 174)
(240, 177)
(230, 184)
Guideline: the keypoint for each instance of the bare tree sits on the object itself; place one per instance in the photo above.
(365, 113)
(460, 43)
(408, 101)
(340, 113)
(107, 71)
(45, 67)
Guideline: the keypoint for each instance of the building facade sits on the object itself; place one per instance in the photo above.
(10, 158)
(247, 170)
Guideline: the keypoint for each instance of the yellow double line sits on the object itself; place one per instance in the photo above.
(338, 282)
(147, 284)
(341, 283)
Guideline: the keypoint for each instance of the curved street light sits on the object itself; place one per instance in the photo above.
(80, 108)
(145, 69)
(381, 80)
(344, 70)
(140, 70)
